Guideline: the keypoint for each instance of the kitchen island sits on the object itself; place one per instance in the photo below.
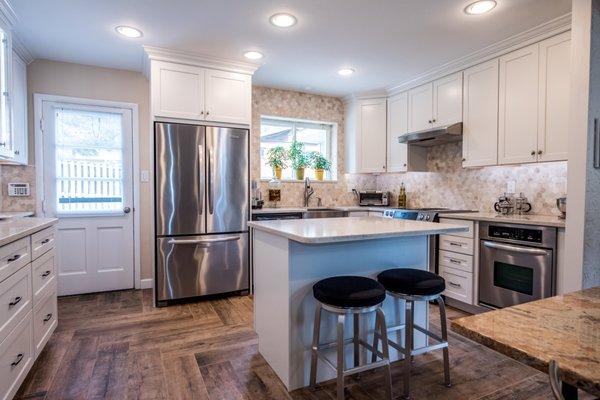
(289, 256)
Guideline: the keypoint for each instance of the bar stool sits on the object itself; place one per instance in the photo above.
(413, 285)
(350, 295)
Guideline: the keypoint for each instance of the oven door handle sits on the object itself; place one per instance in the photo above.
(517, 249)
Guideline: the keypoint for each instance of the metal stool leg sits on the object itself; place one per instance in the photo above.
(356, 343)
(381, 325)
(315, 344)
(408, 345)
(375, 340)
(340, 356)
(442, 307)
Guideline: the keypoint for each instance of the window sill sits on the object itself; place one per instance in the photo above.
(300, 181)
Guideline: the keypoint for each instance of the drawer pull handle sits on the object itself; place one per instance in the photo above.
(18, 360)
(457, 285)
(48, 317)
(453, 261)
(16, 301)
(47, 240)
(455, 244)
(45, 274)
(14, 258)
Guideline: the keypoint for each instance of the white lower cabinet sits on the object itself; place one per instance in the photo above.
(457, 261)
(459, 284)
(29, 313)
(16, 357)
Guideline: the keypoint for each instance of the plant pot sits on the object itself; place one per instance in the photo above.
(300, 174)
(320, 174)
(277, 171)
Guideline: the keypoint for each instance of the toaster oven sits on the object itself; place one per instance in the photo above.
(373, 198)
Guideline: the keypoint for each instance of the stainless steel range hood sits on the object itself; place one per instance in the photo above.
(434, 136)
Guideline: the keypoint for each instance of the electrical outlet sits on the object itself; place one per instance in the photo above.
(145, 176)
(511, 186)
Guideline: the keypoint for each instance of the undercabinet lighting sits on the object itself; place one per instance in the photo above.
(253, 55)
(346, 71)
(480, 7)
(283, 20)
(128, 31)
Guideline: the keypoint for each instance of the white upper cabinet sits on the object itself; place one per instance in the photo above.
(553, 121)
(397, 153)
(518, 106)
(228, 97)
(199, 93)
(19, 108)
(177, 90)
(420, 108)
(366, 135)
(480, 115)
(447, 100)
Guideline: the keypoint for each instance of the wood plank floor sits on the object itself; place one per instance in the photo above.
(117, 346)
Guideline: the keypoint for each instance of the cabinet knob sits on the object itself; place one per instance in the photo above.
(539, 152)
(201, 112)
(533, 152)
(433, 120)
(17, 152)
(404, 164)
(207, 113)
(429, 121)
(464, 159)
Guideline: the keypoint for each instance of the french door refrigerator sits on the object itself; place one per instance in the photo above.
(201, 200)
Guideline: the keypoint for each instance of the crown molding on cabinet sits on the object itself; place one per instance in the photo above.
(7, 13)
(523, 39)
(374, 94)
(22, 50)
(198, 60)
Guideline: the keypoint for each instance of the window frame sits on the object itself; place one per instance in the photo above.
(330, 176)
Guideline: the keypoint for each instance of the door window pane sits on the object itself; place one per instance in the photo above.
(89, 161)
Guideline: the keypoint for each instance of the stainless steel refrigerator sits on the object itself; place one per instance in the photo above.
(202, 191)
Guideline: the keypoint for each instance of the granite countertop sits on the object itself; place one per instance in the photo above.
(275, 210)
(346, 229)
(563, 328)
(525, 219)
(17, 228)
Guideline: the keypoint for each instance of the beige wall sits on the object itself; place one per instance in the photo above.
(74, 80)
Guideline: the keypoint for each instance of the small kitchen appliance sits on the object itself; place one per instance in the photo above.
(373, 198)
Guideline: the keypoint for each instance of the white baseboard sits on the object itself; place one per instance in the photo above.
(147, 283)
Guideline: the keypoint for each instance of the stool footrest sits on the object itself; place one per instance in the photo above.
(440, 345)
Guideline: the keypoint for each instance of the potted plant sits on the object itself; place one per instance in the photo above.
(320, 164)
(298, 158)
(276, 158)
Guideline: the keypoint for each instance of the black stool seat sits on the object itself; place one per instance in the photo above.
(412, 282)
(349, 291)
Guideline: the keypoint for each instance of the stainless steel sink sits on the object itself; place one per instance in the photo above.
(324, 213)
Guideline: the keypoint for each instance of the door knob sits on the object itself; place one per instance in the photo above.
(127, 210)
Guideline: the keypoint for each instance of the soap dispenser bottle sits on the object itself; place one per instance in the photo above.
(402, 196)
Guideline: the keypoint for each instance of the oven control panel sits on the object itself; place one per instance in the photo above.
(516, 233)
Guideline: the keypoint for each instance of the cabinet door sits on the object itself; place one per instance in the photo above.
(554, 91)
(177, 91)
(19, 109)
(373, 135)
(447, 100)
(420, 108)
(228, 97)
(480, 115)
(397, 153)
(518, 106)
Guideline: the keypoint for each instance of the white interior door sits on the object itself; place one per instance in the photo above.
(87, 179)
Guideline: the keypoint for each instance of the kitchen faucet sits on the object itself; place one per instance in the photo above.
(308, 191)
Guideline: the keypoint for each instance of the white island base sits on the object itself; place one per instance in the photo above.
(284, 273)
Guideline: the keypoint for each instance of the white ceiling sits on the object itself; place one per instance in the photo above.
(386, 41)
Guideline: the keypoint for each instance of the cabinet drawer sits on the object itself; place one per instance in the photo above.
(461, 222)
(456, 244)
(459, 284)
(456, 260)
(14, 256)
(15, 300)
(16, 358)
(45, 320)
(44, 274)
(41, 242)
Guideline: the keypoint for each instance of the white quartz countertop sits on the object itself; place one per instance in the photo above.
(330, 230)
(275, 210)
(17, 228)
(526, 219)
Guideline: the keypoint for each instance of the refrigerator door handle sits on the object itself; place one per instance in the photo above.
(204, 241)
(210, 181)
(201, 179)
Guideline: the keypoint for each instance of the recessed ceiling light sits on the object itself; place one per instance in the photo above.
(345, 71)
(128, 31)
(480, 7)
(283, 20)
(253, 55)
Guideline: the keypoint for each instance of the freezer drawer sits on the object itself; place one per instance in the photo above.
(189, 266)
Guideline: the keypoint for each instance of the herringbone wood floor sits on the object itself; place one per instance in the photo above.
(117, 346)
